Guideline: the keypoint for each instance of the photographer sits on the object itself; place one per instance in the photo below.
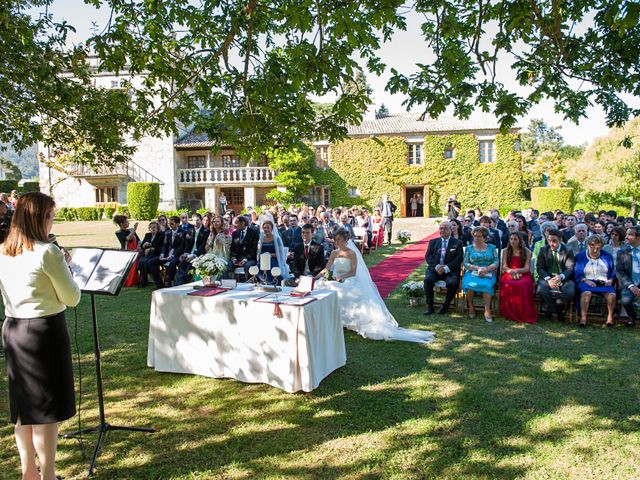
(453, 207)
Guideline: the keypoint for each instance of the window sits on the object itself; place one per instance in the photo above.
(197, 162)
(317, 196)
(115, 84)
(448, 153)
(354, 192)
(415, 154)
(516, 145)
(322, 156)
(230, 161)
(106, 194)
(487, 151)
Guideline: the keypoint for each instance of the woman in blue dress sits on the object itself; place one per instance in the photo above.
(270, 242)
(595, 273)
(480, 264)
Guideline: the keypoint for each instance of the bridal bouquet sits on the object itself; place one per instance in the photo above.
(403, 236)
(209, 265)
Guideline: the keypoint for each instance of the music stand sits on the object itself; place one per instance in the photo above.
(114, 287)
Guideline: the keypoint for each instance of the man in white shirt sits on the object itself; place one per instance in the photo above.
(387, 208)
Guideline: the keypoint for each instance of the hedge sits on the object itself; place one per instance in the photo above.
(7, 185)
(30, 187)
(122, 210)
(84, 214)
(143, 199)
(548, 199)
(173, 213)
(379, 165)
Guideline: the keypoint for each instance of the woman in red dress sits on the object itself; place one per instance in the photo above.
(129, 240)
(516, 284)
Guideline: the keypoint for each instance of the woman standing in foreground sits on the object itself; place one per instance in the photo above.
(36, 287)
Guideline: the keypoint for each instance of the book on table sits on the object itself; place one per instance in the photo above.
(96, 270)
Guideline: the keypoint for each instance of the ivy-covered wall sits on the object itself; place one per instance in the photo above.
(379, 165)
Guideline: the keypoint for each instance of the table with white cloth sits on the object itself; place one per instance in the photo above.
(230, 335)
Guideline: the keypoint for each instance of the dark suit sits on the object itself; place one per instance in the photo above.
(292, 237)
(147, 260)
(387, 220)
(315, 259)
(556, 299)
(172, 246)
(452, 259)
(189, 241)
(624, 274)
(245, 249)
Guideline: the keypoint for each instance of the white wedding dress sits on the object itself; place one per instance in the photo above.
(361, 306)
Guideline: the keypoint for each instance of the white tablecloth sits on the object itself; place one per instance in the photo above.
(230, 335)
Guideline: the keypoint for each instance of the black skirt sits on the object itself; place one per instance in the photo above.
(38, 357)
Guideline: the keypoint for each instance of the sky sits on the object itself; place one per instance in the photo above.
(405, 49)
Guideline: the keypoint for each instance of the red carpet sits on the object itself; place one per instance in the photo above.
(393, 270)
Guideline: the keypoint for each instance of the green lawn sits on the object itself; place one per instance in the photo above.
(484, 401)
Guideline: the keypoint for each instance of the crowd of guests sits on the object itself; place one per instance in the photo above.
(565, 258)
(299, 240)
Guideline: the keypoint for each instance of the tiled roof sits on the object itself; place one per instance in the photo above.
(397, 123)
(194, 140)
(410, 123)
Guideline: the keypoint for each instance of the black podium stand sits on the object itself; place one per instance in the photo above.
(103, 427)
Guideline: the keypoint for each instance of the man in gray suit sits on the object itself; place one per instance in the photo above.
(628, 274)
(555, 265)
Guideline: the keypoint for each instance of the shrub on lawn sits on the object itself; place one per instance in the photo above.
(143, 199)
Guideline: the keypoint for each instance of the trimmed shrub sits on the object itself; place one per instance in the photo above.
(87, 214)
(173, 213)
(504, 210)
(68, 213)
(143, 199)
(7, 185)
(552, 198)
(30, 187)
(109, 212)
(122, 210)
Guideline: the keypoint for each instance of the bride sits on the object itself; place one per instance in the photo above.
(361, 306)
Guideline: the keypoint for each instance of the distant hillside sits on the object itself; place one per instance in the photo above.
(26, 161)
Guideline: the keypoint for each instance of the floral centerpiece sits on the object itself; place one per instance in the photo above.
(403, 236)
(209, 266)
(414, 291)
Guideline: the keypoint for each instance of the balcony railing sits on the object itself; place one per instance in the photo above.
(226, 175)
(122, 171)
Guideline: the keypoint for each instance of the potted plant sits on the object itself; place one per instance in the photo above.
(209, 266)
(403, 236)
(414, 291)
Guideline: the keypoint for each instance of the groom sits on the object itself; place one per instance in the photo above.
(444, 260)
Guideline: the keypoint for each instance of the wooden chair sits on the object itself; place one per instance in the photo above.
(360, 238)
(375, 235)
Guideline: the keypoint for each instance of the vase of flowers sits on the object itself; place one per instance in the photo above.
(209, 266)
(414, 292)
(403, 236)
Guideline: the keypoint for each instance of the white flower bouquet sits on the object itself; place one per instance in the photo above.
(413, 289)
(209, 265)
(403, 236)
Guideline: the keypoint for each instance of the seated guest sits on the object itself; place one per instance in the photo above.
(493, 236)
(346, 225)
(220, 245)
(578, 243)
(171, 251)
(534, 225)
(150, 248)
(444, 259)
(244, 245)
(129, 240)
(457, 231)
(214, 229)
(628, 274)
(516, 284)
(308, 257)
(318, 231)
(271, 243)
(616, 243)
(524, 230)
(480, 264)
(292, 235)
(599, 229)
(194, 246)
(629, 222)
(184, 226)
(555, 264)
(512, 227)
(570, 222)
(595, 274)
(163, 223)
(494, 214)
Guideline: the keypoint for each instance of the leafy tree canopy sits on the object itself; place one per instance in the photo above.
(242, 72)
(294, 165)
(11, 171)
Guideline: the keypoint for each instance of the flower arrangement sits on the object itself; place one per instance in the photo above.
(328, 275)
(413, 289)
(209, 265)
(403, 236)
